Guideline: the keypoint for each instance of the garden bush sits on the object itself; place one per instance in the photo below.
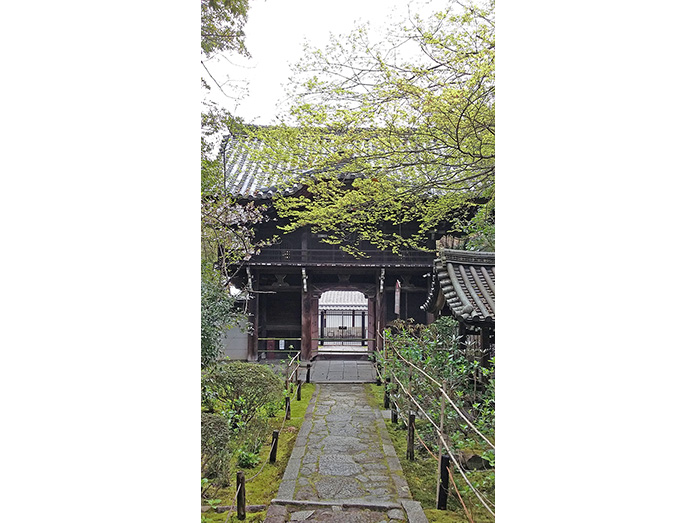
(215, 452)
(236, 401)
(240, 390)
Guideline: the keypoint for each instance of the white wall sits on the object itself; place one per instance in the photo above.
(235, 344)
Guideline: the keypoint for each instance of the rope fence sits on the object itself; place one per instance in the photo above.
(446, 455)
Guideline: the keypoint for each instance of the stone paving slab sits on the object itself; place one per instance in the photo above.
(343, 466)
(342, 371)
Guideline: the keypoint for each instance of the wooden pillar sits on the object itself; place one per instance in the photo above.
(380, 310)
(261, 331)
(306, 323)
(314, 315)
(253, 337)
(371, 323)
(363, 333)
(381, 318)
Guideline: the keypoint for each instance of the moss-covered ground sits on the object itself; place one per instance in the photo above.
(421, 474)
(263, 488)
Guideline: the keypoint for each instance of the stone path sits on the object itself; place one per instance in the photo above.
(343, 467)
(338, 371)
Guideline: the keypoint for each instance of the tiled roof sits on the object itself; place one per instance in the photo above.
(464, 280)
(250, 179)
(343, 300)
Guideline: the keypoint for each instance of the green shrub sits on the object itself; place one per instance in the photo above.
(215, 453)
(240, 390)
(247, 460)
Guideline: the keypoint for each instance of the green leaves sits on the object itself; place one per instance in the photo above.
(407, 124)
(437, 350)
(221, 26)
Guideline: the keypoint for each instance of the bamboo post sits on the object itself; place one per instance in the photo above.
(274, 446)
(410, 436)
(386, 396)
(241, 496)
(287, 407)
(443, 483)
(307, 380)
(395, 418)
(300, 386)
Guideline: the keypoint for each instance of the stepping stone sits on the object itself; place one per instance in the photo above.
(301, 515)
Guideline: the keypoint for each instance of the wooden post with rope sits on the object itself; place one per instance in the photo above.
(274, 446)
(410, 436)
(442, 500)
(443, 483)
(241, 496)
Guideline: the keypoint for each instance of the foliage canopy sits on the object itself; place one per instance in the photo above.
(408, 120)
(222, 23)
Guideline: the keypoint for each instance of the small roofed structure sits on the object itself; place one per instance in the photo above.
(343, 318)
(465, 282)
(343, 301)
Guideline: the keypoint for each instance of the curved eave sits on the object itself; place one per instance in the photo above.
(465, 280)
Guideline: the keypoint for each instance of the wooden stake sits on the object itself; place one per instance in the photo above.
(440, 451)
(410, 436)
(443, 483)
(287, 407)
(300, 386)
(274, 446)
(241, 496)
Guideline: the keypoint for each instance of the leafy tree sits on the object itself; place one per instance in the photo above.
(218, 312)
(227, 239)
(406, 123)
(222, 24)
(227, 234)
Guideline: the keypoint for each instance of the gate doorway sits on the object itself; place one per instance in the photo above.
(343, 322)
(343, 328)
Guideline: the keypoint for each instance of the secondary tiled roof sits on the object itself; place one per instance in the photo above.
(464, 280)
(343, 300)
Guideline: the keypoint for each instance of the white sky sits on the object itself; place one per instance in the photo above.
(276, 30)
